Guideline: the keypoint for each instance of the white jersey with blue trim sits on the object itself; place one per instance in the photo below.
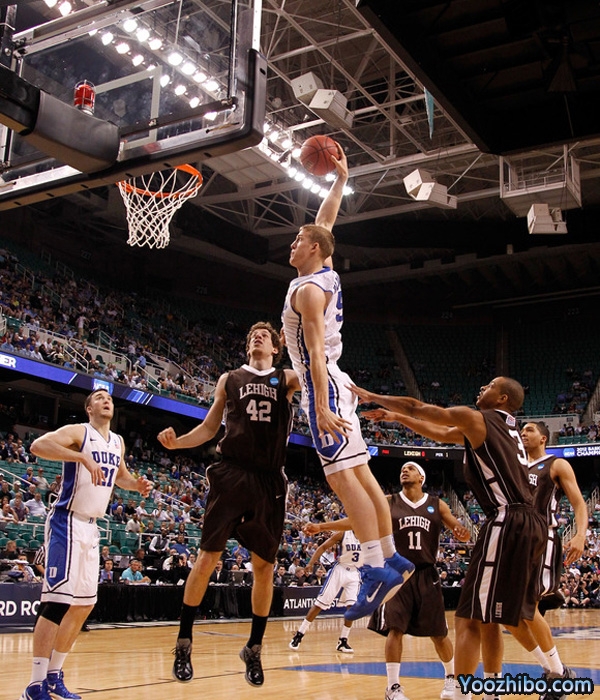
(329, 281)
(350, 551)
(78, 494)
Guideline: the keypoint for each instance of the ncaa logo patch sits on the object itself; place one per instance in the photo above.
(273, 381)
(430, 509)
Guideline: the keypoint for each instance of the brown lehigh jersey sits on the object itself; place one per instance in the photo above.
(497, 469)
(416, 528)
(258, 419)
(546, 494)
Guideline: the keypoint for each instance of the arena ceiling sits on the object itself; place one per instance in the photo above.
(515, 87)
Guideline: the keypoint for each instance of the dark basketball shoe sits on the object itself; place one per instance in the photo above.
(343, 646)
(295, 643)
(182, 666)
(551, 694)
(251, 657)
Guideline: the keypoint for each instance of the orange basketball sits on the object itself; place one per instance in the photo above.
(315, 155)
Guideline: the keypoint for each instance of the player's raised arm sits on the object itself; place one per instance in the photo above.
(203, 432)
(330, 206)
(64, 445)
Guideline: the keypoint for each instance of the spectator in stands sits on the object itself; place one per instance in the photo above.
(133, 524)
(7, 515)
(19, 508)
(40, 481)
(36, 506)
(119, 516)
(133, 574)
(279, 578)
(180, 569)
(180, 546)
(219, 575)
(27, 478)
(300, 577)
(141, 510)
(11, 551)
(107, 573)
(160, 543)
(104, 555)
(116, 504)
(130, 508)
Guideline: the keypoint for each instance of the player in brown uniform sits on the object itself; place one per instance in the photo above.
(550, 477)
(248, 486)
(418, 607)
(501, 581)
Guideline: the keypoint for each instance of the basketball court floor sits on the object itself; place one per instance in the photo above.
(135, 661)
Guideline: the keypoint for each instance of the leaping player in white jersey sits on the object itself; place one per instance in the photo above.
(92, 457)
(312, 318)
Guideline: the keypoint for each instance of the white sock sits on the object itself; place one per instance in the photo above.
(448, 667)
(345, 633)
(554, 663)
(388, 546)
(540, 657)
(487, 674)
(39, 669)
(372, 553)
(458, 695)
(393, 673)
(304, 627)
(57, 661)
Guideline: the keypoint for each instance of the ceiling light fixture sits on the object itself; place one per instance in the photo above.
(130, 25)
(175, 58)
(65, 8)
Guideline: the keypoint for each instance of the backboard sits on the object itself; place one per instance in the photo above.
(182, 80)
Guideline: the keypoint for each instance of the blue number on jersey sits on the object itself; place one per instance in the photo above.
(339, 305)
(109, 475)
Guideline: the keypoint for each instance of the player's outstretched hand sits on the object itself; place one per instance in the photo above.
(168, 438)
(378, 414)
(311, 528)
(341, 164)
(363, 395)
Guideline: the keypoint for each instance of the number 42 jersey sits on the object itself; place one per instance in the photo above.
(258, 419)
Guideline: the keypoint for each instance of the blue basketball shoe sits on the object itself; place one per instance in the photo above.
(36, 691)
(57, 688)
(379, 584)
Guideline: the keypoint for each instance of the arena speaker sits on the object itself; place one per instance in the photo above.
(61, 131)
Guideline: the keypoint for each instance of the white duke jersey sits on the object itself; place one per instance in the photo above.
(77, 493)
(329, 281)
(350, 551)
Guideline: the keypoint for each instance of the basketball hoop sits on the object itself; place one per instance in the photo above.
(151, 200)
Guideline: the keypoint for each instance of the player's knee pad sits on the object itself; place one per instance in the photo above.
(53, 611)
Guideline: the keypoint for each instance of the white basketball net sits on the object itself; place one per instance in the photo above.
(151, 200)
